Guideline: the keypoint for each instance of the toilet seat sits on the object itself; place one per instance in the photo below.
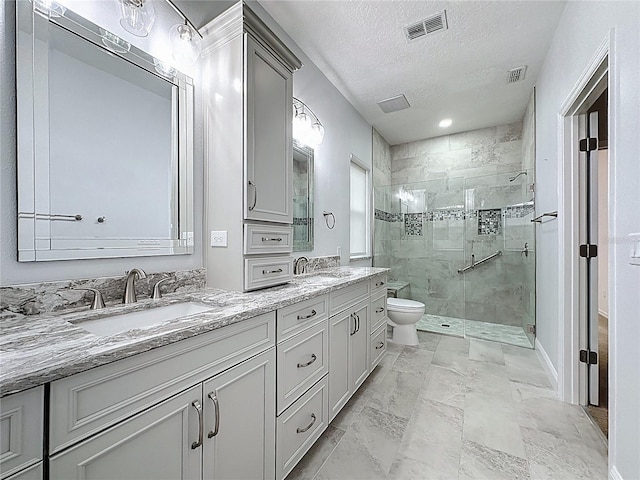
(404, 305)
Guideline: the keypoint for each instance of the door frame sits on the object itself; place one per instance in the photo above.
(600, 73)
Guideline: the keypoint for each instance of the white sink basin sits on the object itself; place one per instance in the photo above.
(146, 318)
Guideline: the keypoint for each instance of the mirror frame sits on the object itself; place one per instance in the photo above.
(32, 85)
(306, 245)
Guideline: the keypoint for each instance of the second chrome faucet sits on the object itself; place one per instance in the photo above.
(130, 286)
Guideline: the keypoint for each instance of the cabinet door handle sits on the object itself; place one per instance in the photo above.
(255, 195)
(357, 323)
(352, 317)
(313, 359)
(198, 407)
(380, 346)
(265, 272)
(380, 310)
(269, 239)
(313, 420)
(214, 398)
(312, 314)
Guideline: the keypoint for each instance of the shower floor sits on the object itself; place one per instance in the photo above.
(459, 327)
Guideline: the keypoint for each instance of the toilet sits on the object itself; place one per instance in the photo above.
(403, 315)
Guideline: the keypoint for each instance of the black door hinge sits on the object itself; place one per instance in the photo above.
(589, 357)
(588, 250)
(588, 144)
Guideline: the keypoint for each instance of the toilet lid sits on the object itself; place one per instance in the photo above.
(402, 304)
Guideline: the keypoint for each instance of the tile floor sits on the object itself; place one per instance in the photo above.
(473, 328)
(455, 408)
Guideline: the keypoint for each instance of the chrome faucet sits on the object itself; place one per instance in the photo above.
(130, 286)
(299, 265)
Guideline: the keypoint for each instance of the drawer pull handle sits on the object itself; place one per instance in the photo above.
(265, 272)
(269, 239)
(313, 359)
(313, 420)
(380, 310)
(312, 314)
(380, 346)
(198, 407)
(379, 284)
(214, 398)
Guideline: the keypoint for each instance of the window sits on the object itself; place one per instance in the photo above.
(360, 199)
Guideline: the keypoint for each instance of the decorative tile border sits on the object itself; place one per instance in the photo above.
(490, 222)
(518, 211)
(301, 221)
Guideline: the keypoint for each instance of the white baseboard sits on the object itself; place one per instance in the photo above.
(614, 474)
(552, 373)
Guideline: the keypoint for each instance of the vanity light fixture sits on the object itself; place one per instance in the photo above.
(138, 17)
(445, 123)
(307, 127)
(50, 7)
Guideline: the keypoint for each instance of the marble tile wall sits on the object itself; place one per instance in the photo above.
(470, 207)
(381, 152)
(32, 299)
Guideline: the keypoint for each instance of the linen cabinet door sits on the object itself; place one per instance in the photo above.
(341, 328)
(163, 442)
(240, 412)
(269, 148)
(359, 345)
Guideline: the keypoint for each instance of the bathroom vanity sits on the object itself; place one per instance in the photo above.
(241, 389)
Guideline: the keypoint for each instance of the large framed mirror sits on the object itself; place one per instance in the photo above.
(302, 198)
(105, 165)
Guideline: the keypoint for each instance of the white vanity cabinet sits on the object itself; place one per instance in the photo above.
(378, 324)
(200, 408)
(247, 77)
(21, 434)
(349, 343)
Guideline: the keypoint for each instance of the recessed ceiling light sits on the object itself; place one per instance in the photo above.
(445, 123)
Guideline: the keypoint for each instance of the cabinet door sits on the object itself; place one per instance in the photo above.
(240, 413)
(268, 143)
(341, 329)
(159, 443)
(359, 346)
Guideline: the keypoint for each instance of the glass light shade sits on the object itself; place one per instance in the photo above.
(301, 126)
(137, 16)
(186, 43)
(316, 134)
(163, 68)
(113, 42)
(50, 7)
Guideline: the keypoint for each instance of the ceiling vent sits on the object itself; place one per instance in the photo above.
(434, 23)
(394, 104)
(516, 74)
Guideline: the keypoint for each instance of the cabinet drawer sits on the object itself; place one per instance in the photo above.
(378, 346)
(295, 318)
(302, 361)
(378, 311)
(32, 473)
(267, 272)
(344, 298)
(378, 284)
(86, 403)
(300, 426)
(21, 427)
(264, 239)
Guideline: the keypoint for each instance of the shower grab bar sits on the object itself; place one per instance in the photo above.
(539, 218)
(473, 264)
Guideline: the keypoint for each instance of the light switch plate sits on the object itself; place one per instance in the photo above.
(219, 238)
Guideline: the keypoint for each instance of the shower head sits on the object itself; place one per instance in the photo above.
(511, 179)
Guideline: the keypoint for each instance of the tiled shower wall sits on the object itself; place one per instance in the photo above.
(450, 197)
(381, 151)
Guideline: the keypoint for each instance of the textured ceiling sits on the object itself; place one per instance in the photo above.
(459, 73)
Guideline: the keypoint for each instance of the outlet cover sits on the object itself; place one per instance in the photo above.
(219, 238)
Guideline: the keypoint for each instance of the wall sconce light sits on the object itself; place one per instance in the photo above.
(307, 128)
(138, 17)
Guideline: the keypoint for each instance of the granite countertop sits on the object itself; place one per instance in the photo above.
(38, 349)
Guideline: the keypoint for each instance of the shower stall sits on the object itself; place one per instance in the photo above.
(465, 247)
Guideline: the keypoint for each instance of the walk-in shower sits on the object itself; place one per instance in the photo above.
(465, 248)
